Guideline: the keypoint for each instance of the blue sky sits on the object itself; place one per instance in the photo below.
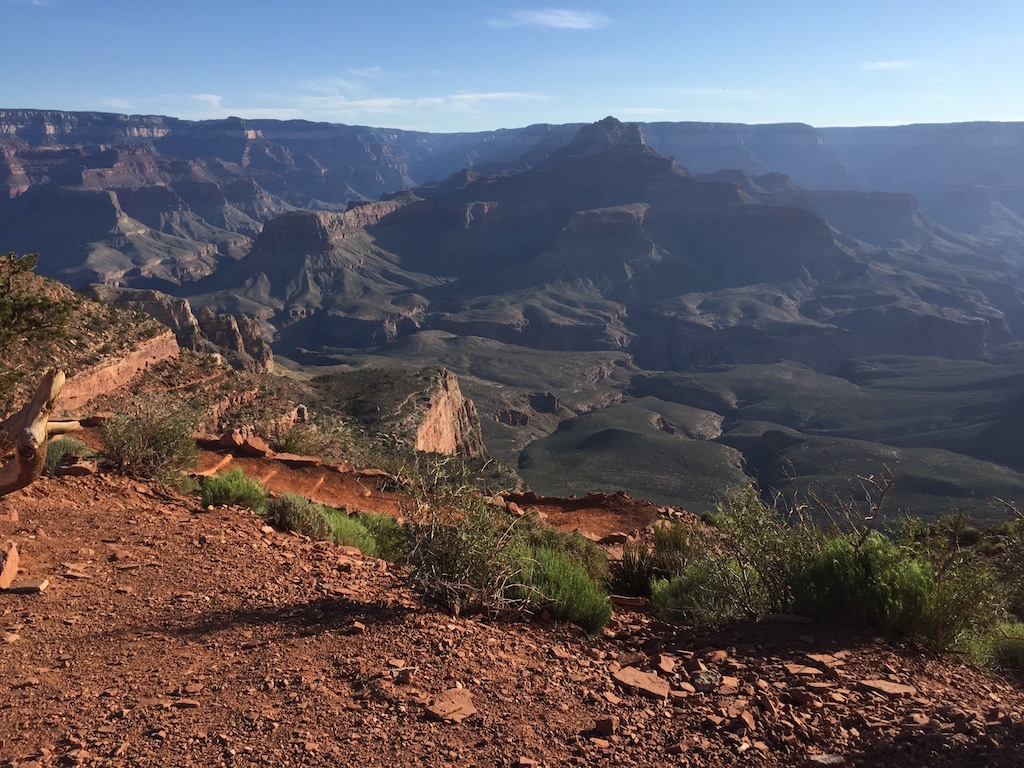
(469, 66)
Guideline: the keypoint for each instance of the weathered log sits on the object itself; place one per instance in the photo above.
(28, 431)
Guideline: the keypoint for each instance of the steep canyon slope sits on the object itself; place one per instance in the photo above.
(620, 322)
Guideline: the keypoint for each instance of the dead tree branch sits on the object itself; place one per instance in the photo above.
(27, 431)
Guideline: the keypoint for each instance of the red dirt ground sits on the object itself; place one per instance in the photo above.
(175, 636)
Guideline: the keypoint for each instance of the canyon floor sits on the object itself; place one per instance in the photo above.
(173, 635)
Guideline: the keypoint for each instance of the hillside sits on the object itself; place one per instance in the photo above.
(237, 644)
(141, 627)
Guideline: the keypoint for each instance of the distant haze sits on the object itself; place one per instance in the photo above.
(470, 66)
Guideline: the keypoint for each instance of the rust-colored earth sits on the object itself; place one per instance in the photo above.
(169, 635)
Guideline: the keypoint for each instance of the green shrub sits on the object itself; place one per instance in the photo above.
(553, 582)
(293, 512)
(465, 553)
(970, 593)
(154, 440)
(875, 584)
(349, 531)
(634, 574)
(234, 487)
(697, 595)
(60, 447)
(391, 541)
(1005, 648)
(763, 550)
(574, 545)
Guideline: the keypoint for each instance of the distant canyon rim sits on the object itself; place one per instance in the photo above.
(664, 308)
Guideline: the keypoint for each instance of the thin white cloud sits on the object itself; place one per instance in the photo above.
(459, 102)
(890, 66)
(212, 100)
(115, 102)
(553, 18)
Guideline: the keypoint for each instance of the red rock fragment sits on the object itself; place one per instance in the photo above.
(455, 705)
(888, 688)
(645, 683)
(8, 565)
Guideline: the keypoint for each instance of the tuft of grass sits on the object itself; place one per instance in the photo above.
(574, 545)
(349, 531)
(553, 582)
(63, 446)
(234, 487)
(391, 540)
(634, 574)
(295, 512)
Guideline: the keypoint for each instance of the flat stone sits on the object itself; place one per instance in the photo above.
(294, 460)
(256, 447)
(29, 586)
(705, 680)
(802, 670)
(455, 704)
(666, 664)
(645, 683)
(8, 565)
(888, 688)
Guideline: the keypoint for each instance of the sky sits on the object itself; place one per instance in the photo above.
(472, 66)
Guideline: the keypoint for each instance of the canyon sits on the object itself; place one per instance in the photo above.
(833, 301)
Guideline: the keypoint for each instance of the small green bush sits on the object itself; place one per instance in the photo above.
(349, 531)
(698, 595)
(293, 512)
(234, 487)
(875, 584)
(970, 593)
(553, 582)
(60, 447)
(574, 545)
(390, 540)
(1005, 648)
(465, 553)
(154, 440)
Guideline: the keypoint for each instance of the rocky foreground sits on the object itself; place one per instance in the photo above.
(142, 630)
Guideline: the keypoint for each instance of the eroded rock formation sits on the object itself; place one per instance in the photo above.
(234, 336)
